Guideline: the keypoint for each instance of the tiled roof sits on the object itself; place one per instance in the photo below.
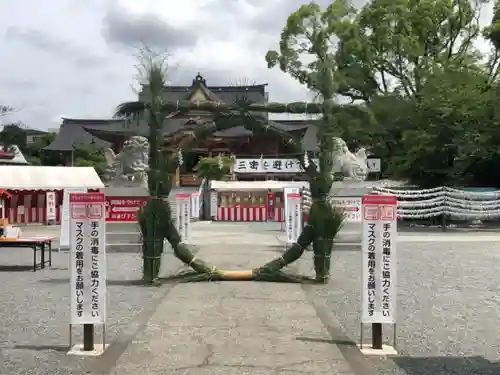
(72, 133)
(225, 94)
(75, 131)
(88, 130)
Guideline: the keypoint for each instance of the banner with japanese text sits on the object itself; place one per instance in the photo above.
(293, 217)
(351, 207)
(269, 166)
(379, 238)
(285, 165)
(50, 206)
(65, 217)
(214, 204)
(87, 258)
(124, 209)
(183, 212)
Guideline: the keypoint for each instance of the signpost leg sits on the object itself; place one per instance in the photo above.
(70, 336)
(395, 336)
(104, 337)
(376, 335)
(88, 337)
(361, 336)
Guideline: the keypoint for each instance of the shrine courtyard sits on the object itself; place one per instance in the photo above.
(448, 307)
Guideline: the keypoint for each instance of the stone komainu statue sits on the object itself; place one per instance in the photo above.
(130, 165)
(352, 166)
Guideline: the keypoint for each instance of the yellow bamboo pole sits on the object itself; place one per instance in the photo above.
(236, 275)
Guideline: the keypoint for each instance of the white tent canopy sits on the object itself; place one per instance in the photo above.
(30, 177)
(256, 185)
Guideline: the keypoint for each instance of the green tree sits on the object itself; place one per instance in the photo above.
(89, 155)
(156, 221)
(214, 168)
(307, 55)
(413, 66)
(36, 155)
(152, 76)
(424, 55)
(13, 135)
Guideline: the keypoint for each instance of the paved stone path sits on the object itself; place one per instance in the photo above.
(234, 327)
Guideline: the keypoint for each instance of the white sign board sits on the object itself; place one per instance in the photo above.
(289, 165)
(351, 206)
(286, 191)
(379, 259)
(195, 204)
(65, 219)
(50, 206)
(293, 218)
(183, 211)
(269, 166)
(87, 258)
(374, 165)
(213, 204)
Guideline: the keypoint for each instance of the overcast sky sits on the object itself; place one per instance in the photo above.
(73, 58)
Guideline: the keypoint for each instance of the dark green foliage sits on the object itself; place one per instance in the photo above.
(152, 219)
(209, 168)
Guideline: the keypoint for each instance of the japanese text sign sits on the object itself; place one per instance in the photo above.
(293, 219)
(87, 258)
(350, 206)
(51, 206)
(268, 166)
(183, 212)
(124, 209)
(64, 240)
(213, 203)
(379, 213)
(195, 204)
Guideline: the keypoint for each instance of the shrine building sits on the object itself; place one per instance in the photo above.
(258, 156)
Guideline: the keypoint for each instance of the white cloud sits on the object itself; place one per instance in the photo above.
(74, 57)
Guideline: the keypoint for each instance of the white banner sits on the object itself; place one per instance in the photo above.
(268, 166)
(351, 206)
(379, 259)
(195, 205)
(64, 236)
(50, 205)
(258, 165)
(183, 211)
(213, 204)
(286, 191)
(87, 258)
(293, 218)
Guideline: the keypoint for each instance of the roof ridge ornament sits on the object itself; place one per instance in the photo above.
(199, 79)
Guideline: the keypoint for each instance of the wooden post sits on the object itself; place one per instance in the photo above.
(88, 337)
(377, 336)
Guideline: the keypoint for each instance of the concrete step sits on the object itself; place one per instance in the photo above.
(122, 227)
(123, 237)
(124, 248)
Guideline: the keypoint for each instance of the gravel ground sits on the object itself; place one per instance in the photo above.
(34, 316)
(448, 307)
(448, 301)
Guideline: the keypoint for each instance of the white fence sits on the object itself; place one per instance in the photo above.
(457, 204)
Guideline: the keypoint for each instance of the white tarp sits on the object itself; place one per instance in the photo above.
(256, 185)
(30, 177)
